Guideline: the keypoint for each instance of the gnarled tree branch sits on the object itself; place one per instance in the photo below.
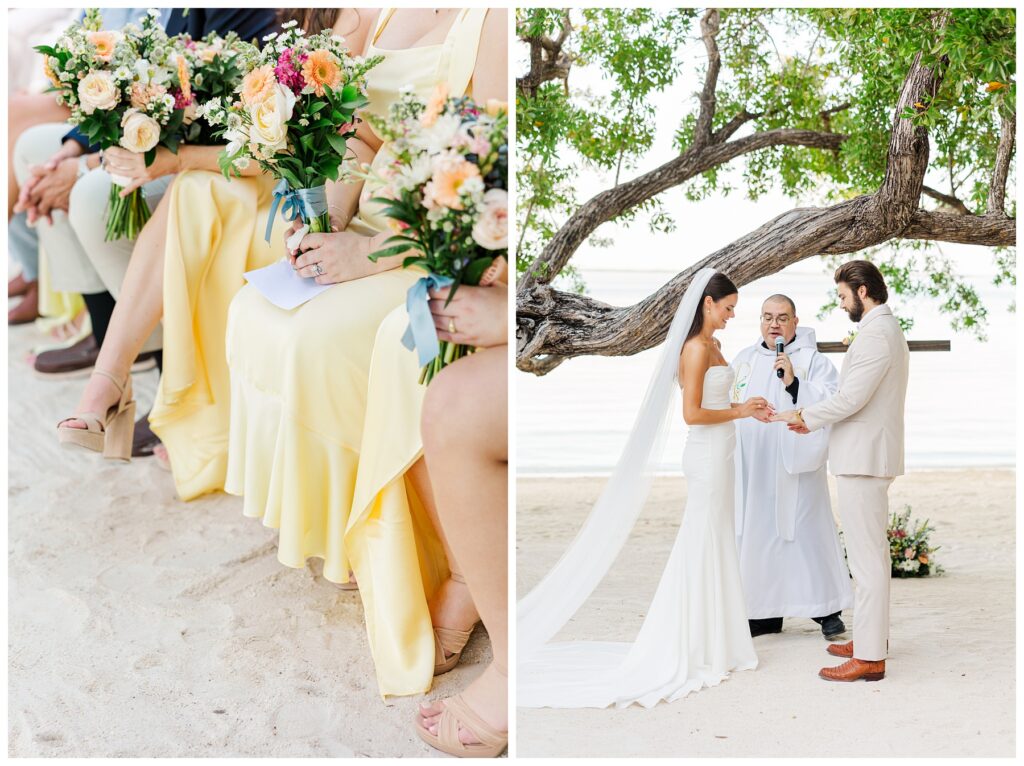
(709, 26)
(547, 60)
(610, 203)
(554, 325)
(954, 203)
(1004, 153)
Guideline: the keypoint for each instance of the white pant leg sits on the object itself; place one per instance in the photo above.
(88, 217)
(864, 514)
(70, 269)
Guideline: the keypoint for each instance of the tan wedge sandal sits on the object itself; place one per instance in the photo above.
(457, 713)
(110, 434)
(449, 642)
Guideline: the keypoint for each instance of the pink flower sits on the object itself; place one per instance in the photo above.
(180, 99)
(286, 71)
(908, 553)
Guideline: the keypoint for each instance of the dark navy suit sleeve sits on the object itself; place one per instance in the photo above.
(248, 23)
(79, 137)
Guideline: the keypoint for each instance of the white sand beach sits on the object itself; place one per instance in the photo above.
(139, 625)
(949, 689)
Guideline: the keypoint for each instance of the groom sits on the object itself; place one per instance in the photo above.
(865, 455)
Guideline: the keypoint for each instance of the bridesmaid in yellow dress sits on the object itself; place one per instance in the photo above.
(324, 430)
(186, 266)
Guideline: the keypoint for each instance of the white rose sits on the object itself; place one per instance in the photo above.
(140, 132)
(491, 228)
(270, 118)
(98, 91)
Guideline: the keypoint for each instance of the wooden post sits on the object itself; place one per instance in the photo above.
(838, 347)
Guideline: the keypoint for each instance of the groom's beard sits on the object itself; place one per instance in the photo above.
(857, 312)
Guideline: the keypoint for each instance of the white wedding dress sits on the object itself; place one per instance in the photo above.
(696, 629)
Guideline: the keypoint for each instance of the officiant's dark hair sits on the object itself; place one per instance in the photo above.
(718, 287)
(866, 274)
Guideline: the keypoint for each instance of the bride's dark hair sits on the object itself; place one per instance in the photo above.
(718, 287)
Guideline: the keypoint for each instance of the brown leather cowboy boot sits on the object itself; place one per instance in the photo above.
(854, 670)
(841, 650)
(845, 650)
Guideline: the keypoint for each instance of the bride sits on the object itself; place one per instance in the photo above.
(696, 630)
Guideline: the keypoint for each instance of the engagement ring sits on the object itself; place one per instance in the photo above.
(451, 325)
(318, 269)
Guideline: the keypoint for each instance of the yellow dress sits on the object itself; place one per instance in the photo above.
(215, 233)
(322, 431)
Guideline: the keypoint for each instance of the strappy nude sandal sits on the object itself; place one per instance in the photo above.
(110, 434)
(457, 713)
(449, 642)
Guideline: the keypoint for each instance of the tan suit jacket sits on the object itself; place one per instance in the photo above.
(866, 414)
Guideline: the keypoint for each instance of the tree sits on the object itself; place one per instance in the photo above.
(851, 117)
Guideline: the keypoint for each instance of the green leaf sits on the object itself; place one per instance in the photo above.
(476, 269)
(337, 143)
(389, 251)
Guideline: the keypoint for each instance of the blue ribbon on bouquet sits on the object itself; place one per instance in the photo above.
(421, 335)
(307, 203)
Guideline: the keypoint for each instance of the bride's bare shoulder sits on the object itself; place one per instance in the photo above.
(695, 355)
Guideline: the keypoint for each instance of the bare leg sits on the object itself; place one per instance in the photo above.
(465, 439)
(136, 314)
(451, 606)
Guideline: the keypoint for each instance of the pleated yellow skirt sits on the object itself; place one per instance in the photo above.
(325, 423)
(215, 233)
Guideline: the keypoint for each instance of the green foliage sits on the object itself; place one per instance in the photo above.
(819, 69)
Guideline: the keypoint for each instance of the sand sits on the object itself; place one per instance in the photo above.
(950, 683)
(143, 626)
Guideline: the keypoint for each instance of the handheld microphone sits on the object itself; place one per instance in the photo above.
(779, 345)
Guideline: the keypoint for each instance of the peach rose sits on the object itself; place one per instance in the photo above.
(321, 70)
(258, 85)
(491, 229)
(450, 172)
(141, 132)
(97, 90)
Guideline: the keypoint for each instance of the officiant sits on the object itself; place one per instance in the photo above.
(791, 562)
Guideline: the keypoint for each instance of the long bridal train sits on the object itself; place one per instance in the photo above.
(696, 631)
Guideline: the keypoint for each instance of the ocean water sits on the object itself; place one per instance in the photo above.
(960, 404)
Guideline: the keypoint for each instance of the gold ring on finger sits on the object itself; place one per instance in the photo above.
(451, 325)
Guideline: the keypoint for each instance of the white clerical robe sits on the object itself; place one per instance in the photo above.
(791, 562)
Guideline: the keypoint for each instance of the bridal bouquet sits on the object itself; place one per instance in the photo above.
(124, 88)
(444, 187)
(294, 112)
(217, 65)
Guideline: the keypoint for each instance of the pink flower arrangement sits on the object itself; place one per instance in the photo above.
(289, 70)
